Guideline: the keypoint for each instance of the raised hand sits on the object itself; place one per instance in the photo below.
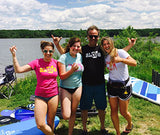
(56, 40)
(132, 41)
(13, 50)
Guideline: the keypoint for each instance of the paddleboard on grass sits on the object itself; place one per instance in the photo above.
(19, 114)
(21, 109)
(23, 114)
(7, 120)
(7, 112)
(12, 116)
(27, 127)
(144, 90)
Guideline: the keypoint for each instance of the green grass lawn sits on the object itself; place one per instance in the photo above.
(145, 115)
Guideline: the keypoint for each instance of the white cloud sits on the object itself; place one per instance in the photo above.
(109, 14)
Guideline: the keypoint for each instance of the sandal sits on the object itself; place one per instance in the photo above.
(84, 132)
(127, 131)
(104, 132)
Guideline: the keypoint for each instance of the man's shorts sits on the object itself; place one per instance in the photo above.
(96, 93)
(123, 94)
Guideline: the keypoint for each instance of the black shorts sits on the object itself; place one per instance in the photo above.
(46, 99)
(122, 93)
(71, 91)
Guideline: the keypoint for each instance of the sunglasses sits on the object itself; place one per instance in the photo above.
(91, 36)
(46, 51)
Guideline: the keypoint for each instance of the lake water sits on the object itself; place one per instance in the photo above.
(28, 49)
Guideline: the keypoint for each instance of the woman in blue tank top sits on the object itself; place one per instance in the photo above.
(70, 72)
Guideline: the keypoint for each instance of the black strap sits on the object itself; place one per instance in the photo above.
(126, 81)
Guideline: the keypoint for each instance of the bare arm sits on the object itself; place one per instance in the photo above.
(129, 60)
(56, 41)
(17, 67)
(65, 74)
(132, 42)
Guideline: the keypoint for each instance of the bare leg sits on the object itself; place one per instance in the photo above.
(40, 112)
(101, 114)
(124, 112)
(65, 103)
(75, 101)
(114, 113)
(84, 116)
(52, 109)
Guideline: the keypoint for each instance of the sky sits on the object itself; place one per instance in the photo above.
(79, 14)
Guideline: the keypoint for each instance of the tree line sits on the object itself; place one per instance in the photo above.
(145, 51)
(25, 33)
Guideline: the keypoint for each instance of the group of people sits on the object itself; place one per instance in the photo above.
(81, 72)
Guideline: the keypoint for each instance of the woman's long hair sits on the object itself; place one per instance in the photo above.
(71, 43)
(113, 50)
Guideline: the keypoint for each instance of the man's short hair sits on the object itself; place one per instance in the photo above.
(92, 28)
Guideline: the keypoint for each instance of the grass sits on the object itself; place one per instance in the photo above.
(145, 115)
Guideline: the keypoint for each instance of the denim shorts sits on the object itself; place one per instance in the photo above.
(96, 93)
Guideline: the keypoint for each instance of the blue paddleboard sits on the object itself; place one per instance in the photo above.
(18, 114)
(27, 127)
(7, 112)
(144, 90)
(23, 114)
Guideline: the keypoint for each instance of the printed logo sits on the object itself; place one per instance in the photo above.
(49, 69)
(111, 68)
(125, 92)
(7, 132)
(94, 54)
(80, 68)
